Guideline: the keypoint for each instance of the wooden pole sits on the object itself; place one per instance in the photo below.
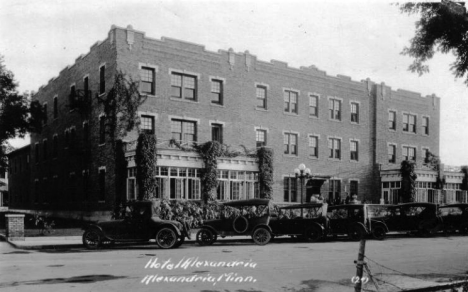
(359, 265)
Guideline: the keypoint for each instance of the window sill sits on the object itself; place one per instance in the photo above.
(290, 114)
(261, 109)
(217, 105)
(183, 100)
(333, 120)
(313, 117)
(290, 155)
(148, 95)
(101, 94)
(425, 135)
(354, 161)
(334, 159)
(355, 123)
(410, 133)
(102, 144)
(392, 130)
(313, 157)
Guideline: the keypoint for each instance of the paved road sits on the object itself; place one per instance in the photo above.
(280, 266)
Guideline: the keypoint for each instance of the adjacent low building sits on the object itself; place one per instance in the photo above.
(351, 134)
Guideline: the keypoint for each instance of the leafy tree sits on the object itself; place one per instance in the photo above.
(13, 111)
(408, 181)
(441, 28)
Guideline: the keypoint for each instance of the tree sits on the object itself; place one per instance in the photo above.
(442, 28)
(14, 111)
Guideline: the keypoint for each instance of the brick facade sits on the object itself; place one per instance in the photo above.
(239, 114)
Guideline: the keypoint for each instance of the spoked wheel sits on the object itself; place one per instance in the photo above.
(92, 239)
(378, 232)
(261, 236)
(180, 241)
(313, 234)
(166, 238)
(205, 237)
(356, 233)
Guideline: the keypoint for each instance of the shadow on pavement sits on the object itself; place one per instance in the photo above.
(77, 279)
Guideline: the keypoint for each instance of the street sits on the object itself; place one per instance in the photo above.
(282, 265)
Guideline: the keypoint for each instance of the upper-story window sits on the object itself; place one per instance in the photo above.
(217, 91)
(55, 107)
(409, 123)
(355, 112)
(313, 146)
(334, 146)
(261, 137)
(184, 131)
(261, 93)
(55, 146)
(425, 125)
(313, 106)
(86, 86)
(392, 120)
(217, 133)
(409, 153)
(44, 108)
(334, 108)
(290, 101)
(44, 148)
(102, 79)
(290, 143)
(72, 97)
(102, 129)
(147, 124)
(391, 149)
(354, 150)
(147, 81)
(184, 86)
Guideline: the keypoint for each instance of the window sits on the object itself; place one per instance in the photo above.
(261, 97)
(85, 134)
(72, 97)
(353, 187)
(261, 138)
(131, 184)
(72, 139)
(391, 153)
(37, 152)
(147, 81)
(425, 125)
(102, 79)
(334, 107)
(334, 192)
(334, 145)
(313, 106)
(392, 120)
(425, 152)
(67, 138)
(409, 123)
(409, 153)
(354, 150)
(102, 129)
(217, 91)
(102, 184)
(290, 143)
(355, 112)
(55, 107)
(55, 147)
(184, 131)
(290, 189)
(217, 133)
(44, 108)
(86, 86)
(313, 146)
(290, 101)
(184, 86)
(147, 124)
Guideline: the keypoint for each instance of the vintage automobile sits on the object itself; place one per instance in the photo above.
(304, 221)
(418, 218)
(141, 223)
(454, 218)
(355, 221)
(243, 217)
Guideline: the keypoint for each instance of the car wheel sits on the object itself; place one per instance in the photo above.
(356, 232)
(261, 236)
(378, 232)
(240, 224)
(166, 238)
(313, 234)
(464, 230)
(92, 239)
(108, 243)
(180, 241)
(205, 237)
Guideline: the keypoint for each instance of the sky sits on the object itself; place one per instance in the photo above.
(361, 39)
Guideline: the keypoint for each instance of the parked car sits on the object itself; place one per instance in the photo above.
(355, 221)
(454, 218)
(244, 217)
(141, 223)
(418, 218)
(311, 225)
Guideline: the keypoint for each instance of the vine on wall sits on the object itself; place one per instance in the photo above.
(265, 167)
(146, 169)
(408, 181)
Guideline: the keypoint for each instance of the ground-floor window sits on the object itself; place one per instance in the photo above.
(290, 189)
(334, 192)
(237, 185)
(391, 192)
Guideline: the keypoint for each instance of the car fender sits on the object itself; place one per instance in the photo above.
(264, 226)
(315, 224)
(209, 228)
(170, 225)
(380, 223)
(360, 224)
(97, 228)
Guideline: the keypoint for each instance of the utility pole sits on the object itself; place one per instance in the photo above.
(359, 266)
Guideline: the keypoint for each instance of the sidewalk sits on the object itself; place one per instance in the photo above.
(68, 242)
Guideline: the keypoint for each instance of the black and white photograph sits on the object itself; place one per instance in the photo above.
(233, 145)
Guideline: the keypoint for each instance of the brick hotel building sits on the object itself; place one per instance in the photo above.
(351, 134)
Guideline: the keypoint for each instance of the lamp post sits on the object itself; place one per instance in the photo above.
(302, 173)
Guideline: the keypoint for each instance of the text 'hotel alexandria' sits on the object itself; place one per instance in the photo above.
(352, 135)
